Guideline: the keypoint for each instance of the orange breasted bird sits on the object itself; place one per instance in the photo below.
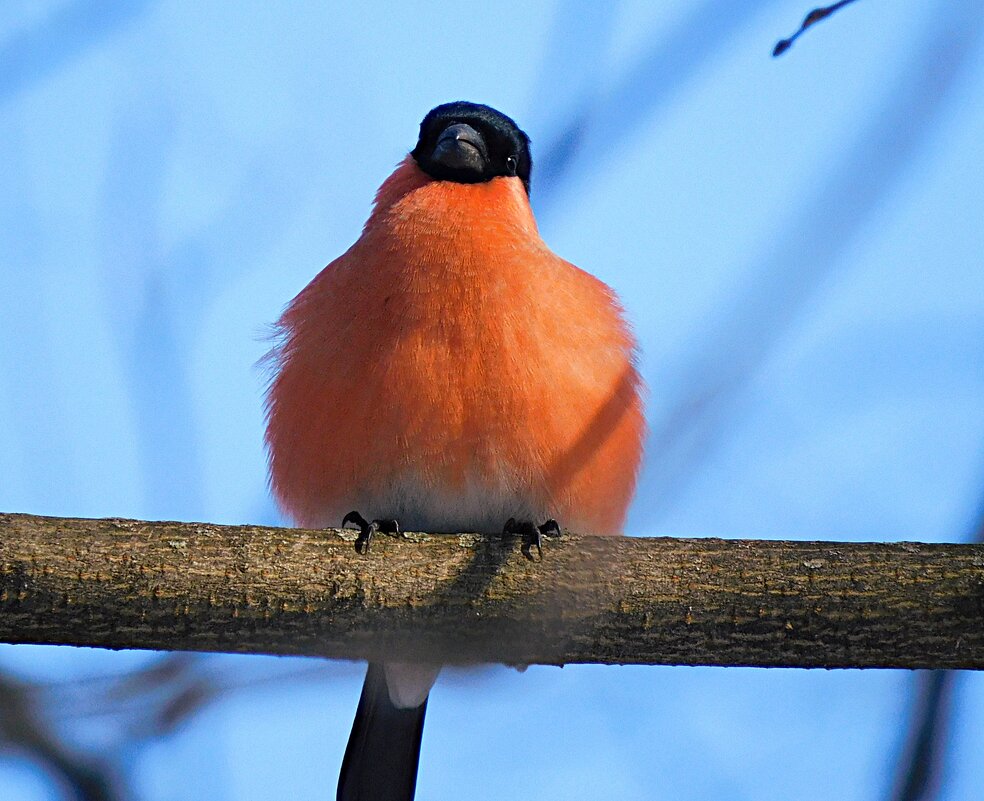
(449, 372)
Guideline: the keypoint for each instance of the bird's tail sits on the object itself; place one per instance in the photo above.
(383, 751)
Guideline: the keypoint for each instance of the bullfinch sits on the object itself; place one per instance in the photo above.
(449, 372)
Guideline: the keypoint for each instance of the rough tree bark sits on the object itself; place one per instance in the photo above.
(465, 598)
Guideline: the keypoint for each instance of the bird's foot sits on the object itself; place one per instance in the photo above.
(368, 528)
(532, 534)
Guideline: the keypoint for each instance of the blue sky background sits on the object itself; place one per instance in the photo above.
(798, 243)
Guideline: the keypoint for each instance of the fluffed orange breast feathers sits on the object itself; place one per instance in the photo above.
(449, 369)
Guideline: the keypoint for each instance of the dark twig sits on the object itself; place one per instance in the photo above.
(811, 19)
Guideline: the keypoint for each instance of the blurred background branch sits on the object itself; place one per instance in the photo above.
(700, 396)
(24, 730)
(64, 35)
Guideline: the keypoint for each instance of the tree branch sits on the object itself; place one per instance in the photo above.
(467, 598)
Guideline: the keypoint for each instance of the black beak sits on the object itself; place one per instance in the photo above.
(461, 147)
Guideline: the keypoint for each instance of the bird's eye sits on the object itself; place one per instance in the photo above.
(512, 163)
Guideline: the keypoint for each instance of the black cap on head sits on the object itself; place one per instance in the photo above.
(470, 143)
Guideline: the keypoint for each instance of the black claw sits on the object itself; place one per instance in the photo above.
(387, 526)
(364, 539)
(355, 517)
(532, 535)
(367, 529)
